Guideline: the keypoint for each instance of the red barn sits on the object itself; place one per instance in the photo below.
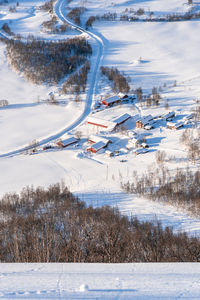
(101, 123)
(111, 100)
(93, 139)
(97, 147)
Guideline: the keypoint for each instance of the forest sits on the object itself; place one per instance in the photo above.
(47, 61)
(53, 225)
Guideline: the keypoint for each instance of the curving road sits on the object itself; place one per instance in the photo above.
(91, 91)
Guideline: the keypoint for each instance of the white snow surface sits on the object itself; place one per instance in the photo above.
(100, 281)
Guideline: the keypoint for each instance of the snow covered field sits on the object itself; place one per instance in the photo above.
(100, 281)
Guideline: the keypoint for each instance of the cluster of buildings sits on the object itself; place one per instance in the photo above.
(135, 143)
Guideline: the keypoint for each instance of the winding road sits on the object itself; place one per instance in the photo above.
(92, 82)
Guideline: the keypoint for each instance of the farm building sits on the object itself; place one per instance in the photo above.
(122, 96)
(137, 142)
(97, 147)
(111, 100)
(101, 123)
(144, 121)
(122, 119)
(140, 151)
(132, 143)
(95, 139)
(67, 142)
(188, 117)
(109, 153)
(169, 116)
(175, 125)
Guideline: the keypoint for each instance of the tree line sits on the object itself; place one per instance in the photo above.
(53, 225)
(52, 26)
(120, 83)
(180, 189)
(192, 142)
(76, 83)
(134, 16)
(47, 61)
(75, 14)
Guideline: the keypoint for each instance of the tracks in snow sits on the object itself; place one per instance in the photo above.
(93, 78)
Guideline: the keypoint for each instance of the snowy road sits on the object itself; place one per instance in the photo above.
(91, 91)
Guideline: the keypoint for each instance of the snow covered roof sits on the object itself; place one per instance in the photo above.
(169, 115)
(188, 117)
(140, 151)
(133, 140)
(121, 95)
(112, 99)
(69, 141)
(179, 124)
(175, 125)
(146, 119)
(96, 139)
(102, 123)
(97, 146)
(122, 118)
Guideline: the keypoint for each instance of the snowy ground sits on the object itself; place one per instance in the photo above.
(168, 53)
(100, 281)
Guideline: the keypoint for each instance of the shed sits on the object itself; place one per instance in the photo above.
(140, 151)
(67, 142)
(133, 142)
(169, 116)
(188, 117)
(109, 153)
(175, 125)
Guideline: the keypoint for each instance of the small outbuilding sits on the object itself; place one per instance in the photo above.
(67, 142)
(109, 153)
(169, 116)
(175, 126)
(189, 117)
(140, 151)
